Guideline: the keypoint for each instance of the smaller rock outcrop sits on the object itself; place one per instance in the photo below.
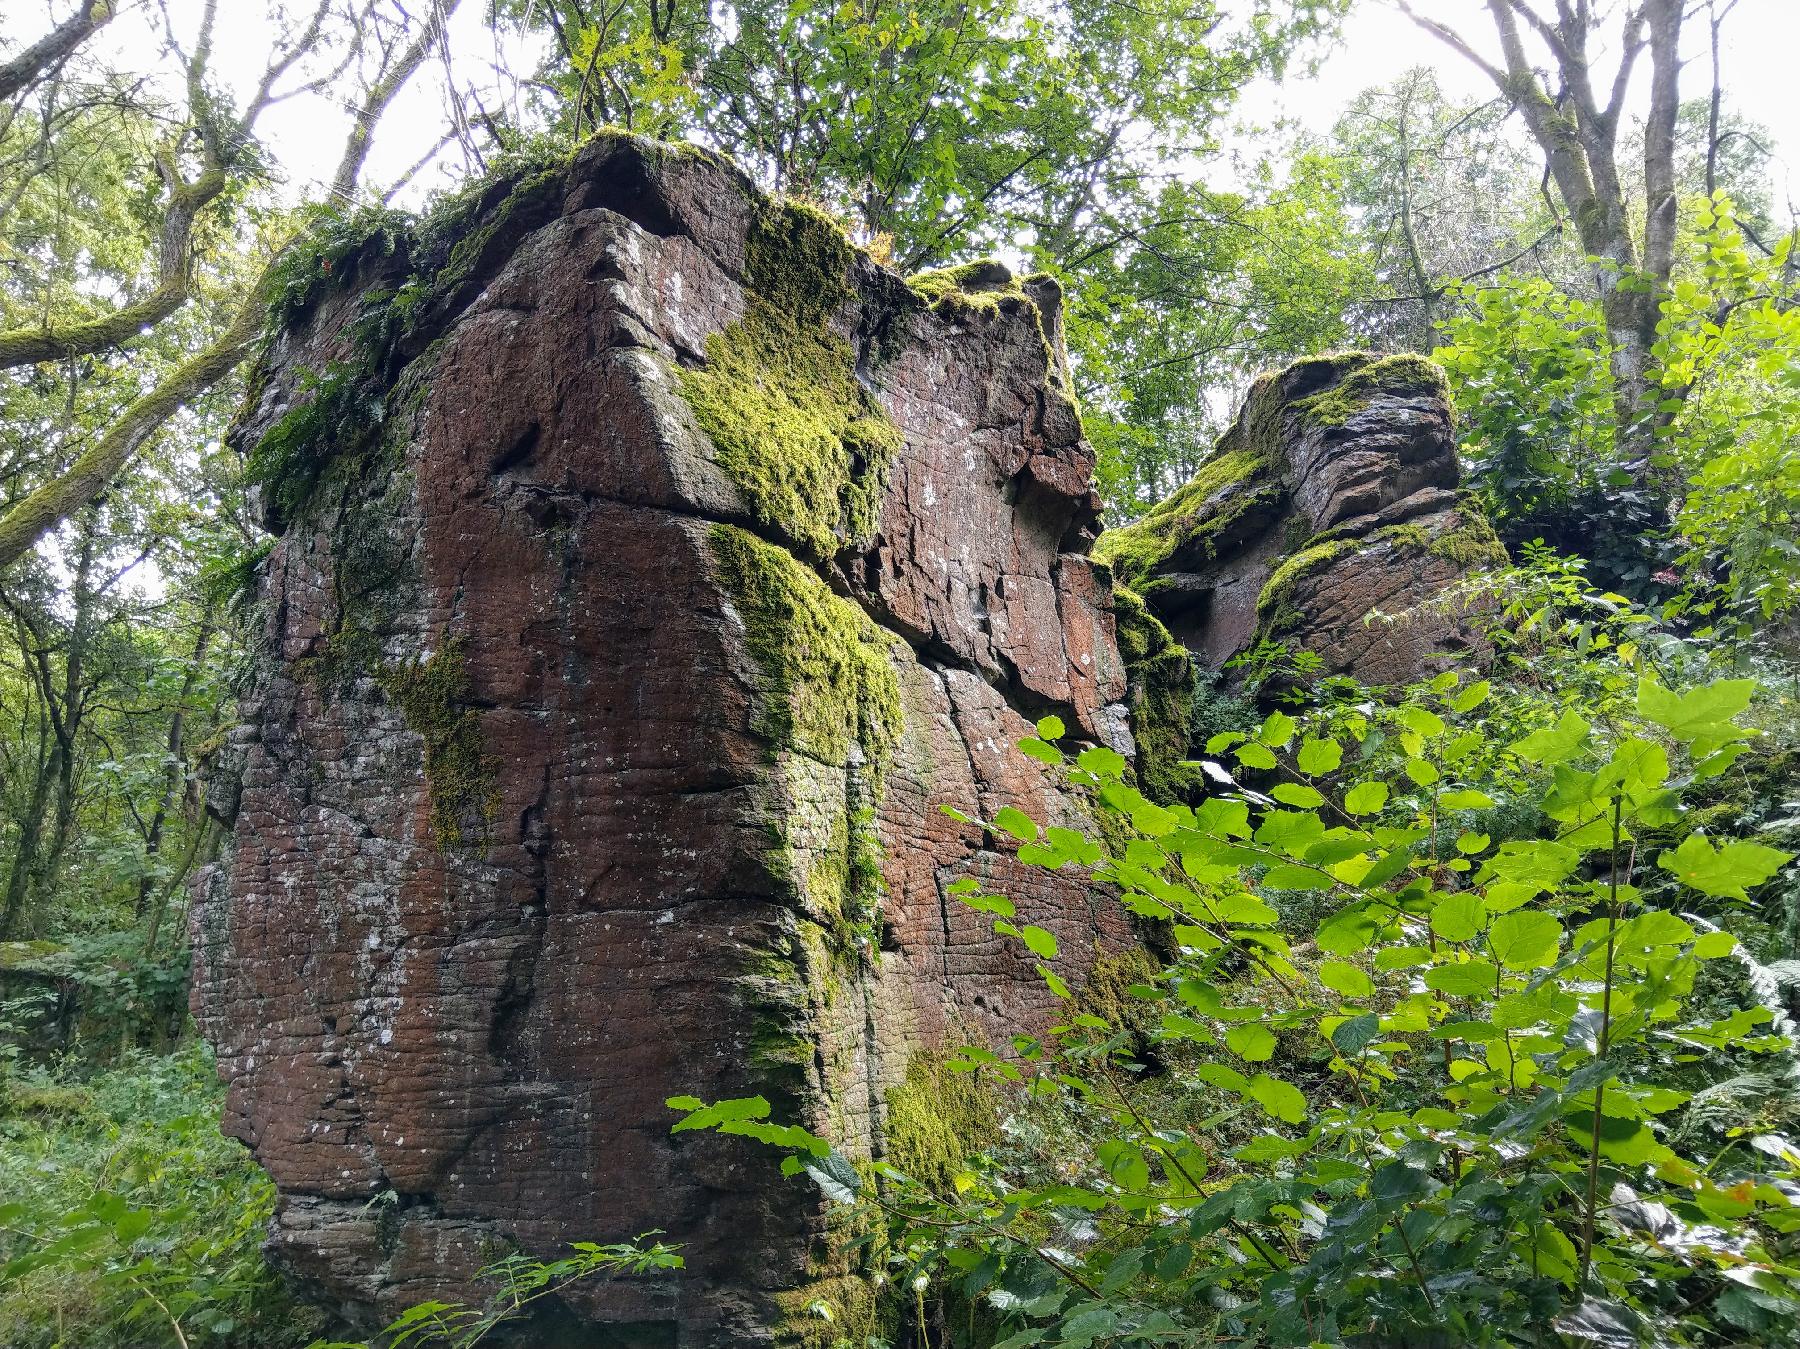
(1333, 496)
(1327, 519)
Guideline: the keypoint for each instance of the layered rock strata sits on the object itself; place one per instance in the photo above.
(651, 565)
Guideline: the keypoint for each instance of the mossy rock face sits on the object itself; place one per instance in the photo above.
(653, 565)
(779, 397)
(1331, 499)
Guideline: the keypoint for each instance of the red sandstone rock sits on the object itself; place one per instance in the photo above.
(1327, 520)
(523, 841)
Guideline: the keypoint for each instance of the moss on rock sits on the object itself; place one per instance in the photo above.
(433, 696)
(1221, 493)
(1160, 673)
(831, 696)
(936, 1119)
(1274, 606)
(1363, 378)
(779, 397)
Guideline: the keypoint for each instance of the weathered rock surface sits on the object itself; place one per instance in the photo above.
(651, 567)
(1332, 497)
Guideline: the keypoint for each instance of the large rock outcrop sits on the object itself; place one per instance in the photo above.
(651, 566)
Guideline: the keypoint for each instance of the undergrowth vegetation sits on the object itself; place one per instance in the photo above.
(1456, 1040)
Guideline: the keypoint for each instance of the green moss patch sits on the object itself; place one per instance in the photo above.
(803, 440)
(1275, 610)
(1364, 378)
(831, 698)
(1224, 490)
(433, 696)
(1160, 674)
(935, 1119)
(830, 675)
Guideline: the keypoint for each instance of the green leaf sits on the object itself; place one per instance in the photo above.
(1296, 794)
(1471, 698)
(1705, 711)
(1422, 771)
(1553, 744)
(1280, 1099)
(1040, 942)
(1051, 728)
(1277, 730)
(702, 1116)
(1366, 798)
(1255, 756)
(1342, 977)
(1017, 823)
(1473, 979)
(836, 1177)
(1356, 1034)
(1252, 1042)
(1043, 753)
(1465, 798)
(1318, 757)
(1459, 917)
(1728, 872)
(1101, 762)
(1349, 931)
(1525, 939)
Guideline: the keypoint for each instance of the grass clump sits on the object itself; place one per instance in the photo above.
(131, 1221)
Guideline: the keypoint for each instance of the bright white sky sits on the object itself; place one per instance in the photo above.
(1379, 43)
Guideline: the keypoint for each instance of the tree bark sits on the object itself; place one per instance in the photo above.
(56, 46)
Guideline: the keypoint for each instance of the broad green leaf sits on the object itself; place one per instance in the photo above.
(1255, 755)
(1253, 1042)
(1525, 939)
(1280, 1099)
(1017, 823)
(1101, 762)
(1458, 917)
(1342, 977)
(1701, 712)
(1051, 728)
(1465, 798)
(1318, 757)
(1474, 979)
(1357, 1034)
(1728, 872)
(1422, 771)
(1553, 744)
(1297, 794)
(1277, 730)
(1366, 798)
(1040, 942)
